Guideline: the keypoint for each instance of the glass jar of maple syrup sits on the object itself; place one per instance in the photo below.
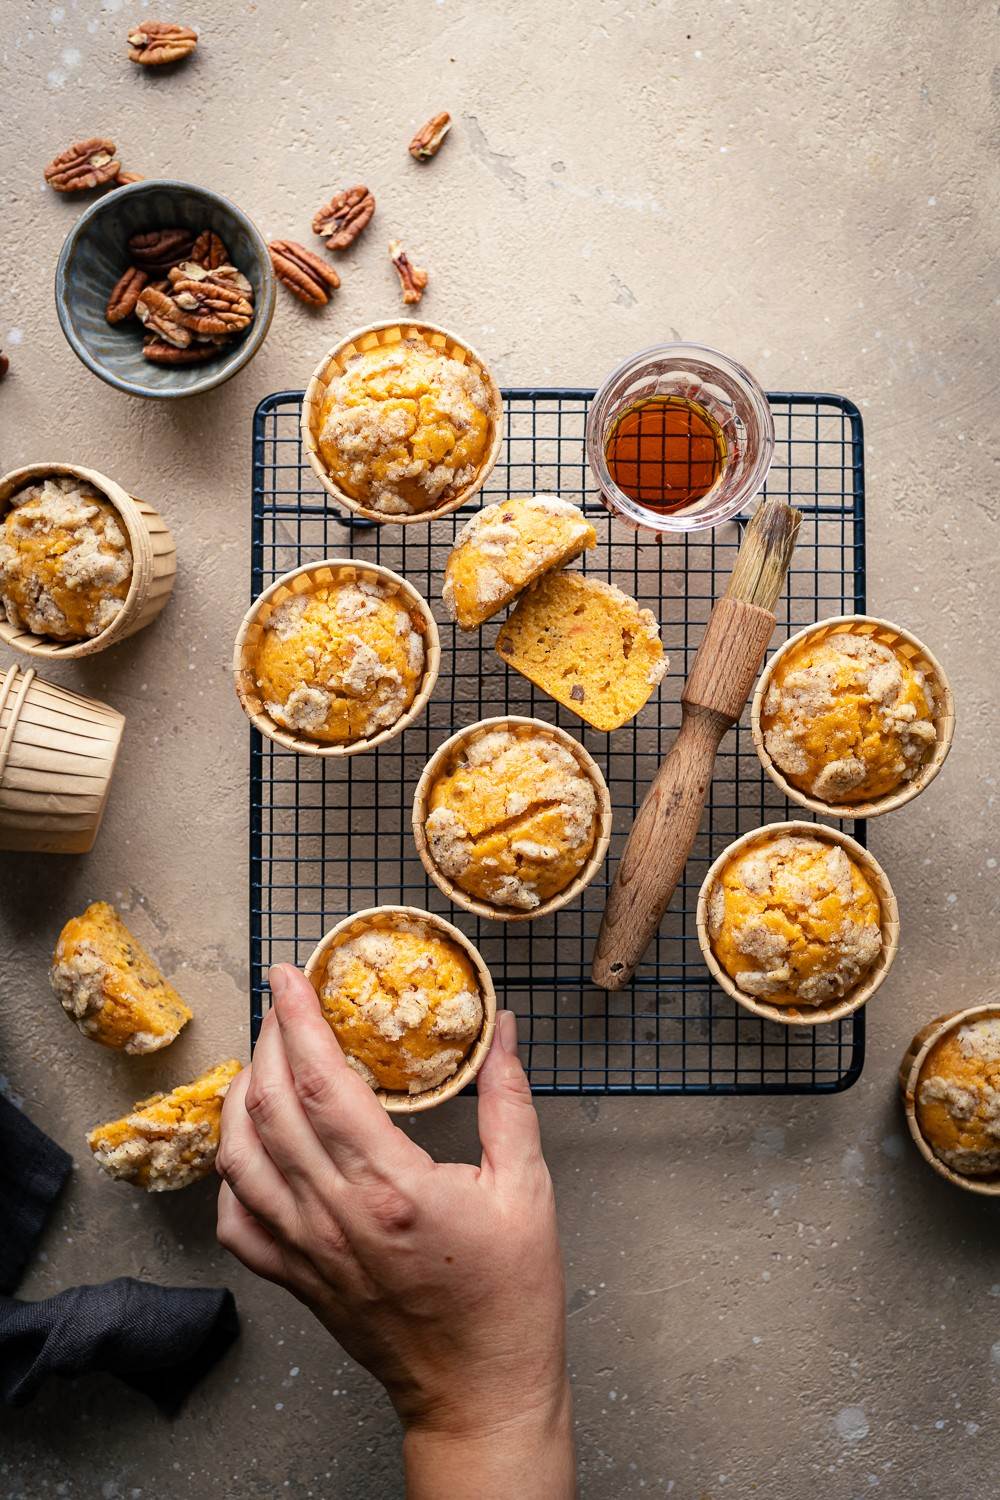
(679, 438)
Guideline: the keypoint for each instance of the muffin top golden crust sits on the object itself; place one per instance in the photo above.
(794, 920)
(848, 719)
(65, 560)
(342, 661)
(505, 547)
(405, 427)
(958, 1098)
(512, 818)
(405, 1003)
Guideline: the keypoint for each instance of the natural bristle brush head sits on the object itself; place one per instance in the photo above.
(758, 574)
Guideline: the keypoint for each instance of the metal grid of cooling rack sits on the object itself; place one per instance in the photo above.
(332, 836)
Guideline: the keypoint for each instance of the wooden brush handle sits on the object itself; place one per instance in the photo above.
(666, 825)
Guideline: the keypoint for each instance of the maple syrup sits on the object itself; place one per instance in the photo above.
(665, 452)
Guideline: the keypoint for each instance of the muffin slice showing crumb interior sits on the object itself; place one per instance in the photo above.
(169, 1140)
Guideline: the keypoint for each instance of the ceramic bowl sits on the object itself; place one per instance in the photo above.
(95, 254)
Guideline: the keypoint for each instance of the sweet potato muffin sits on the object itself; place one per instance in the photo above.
(405, 427)
(587, 645)
(958, 1098)
(512, 818)
(111, 988)
(404, 1001)
(505, 547)
(847, 719)
(65, 560)
(794, 920)
(342, 661)
(168, 1140)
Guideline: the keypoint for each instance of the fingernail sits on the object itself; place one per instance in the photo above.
(277, 978)
(507, 1030)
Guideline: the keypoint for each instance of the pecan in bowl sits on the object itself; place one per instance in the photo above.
(429, 138)
(159, 352)
(159, 249)
(125, 294)
(209, 251)
(160, 315)
(302, 272)
(154, 43)
(209, 307)
(344, 217)
(82, 166)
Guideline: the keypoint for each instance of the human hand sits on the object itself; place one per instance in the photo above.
(444, 1280)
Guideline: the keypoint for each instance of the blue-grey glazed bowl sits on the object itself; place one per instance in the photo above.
(96, 253)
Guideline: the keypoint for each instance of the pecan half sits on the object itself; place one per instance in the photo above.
(428, 139)
(124, 178)
(159, 249)
(411, 278)
(209, 307)
(160, 353)
(125, 294)
(160, 315)
(344, 217)
(209, 251)
(82, 166)
(310, 278)
(153, 43)
(190, 270)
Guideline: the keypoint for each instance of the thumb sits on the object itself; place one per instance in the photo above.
(508, 1124)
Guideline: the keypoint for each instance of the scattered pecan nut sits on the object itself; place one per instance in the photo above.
(159, 352)
(411, 278)
(153, 43)
(4, 364)
(124, 178)
(310, 278)
(159, 249)
(82, 166)
(428, 139)
(160, 315)
(209, 251)
(209, 307)
(125, 294)
(344, 217)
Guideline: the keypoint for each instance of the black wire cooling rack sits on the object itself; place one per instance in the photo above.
(328, 837)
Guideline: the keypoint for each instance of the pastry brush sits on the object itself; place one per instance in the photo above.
(718, 685)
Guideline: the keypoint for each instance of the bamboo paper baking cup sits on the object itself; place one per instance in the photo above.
(303, 581)
(57, 755)
(387, 918)
(832, 1010)
(905, 645)
(909, 1077)
(525, 728)
(154, 564)
(333, 364)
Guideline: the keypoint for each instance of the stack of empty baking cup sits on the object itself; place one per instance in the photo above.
(387, 336)
(57, 748)
(300, 584)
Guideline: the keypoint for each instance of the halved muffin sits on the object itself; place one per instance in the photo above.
(169, 1140)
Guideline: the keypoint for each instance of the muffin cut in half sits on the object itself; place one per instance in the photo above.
(169, 1140)
(410, 1001)
(586, 644)
(505, 547)
(511, 818)
(110, 986)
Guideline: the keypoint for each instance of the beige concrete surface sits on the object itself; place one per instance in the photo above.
(767, 1297)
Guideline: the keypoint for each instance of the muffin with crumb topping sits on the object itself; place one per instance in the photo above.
(403, 999)
(958, 1097)
(406, 427)
(65, 560)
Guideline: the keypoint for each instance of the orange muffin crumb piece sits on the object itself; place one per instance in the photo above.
(958, 1098)
(587, 645)
(405, 1004)
(168, 1140)
(505, 547)
(111, 987)
(794, 920)
(848, 719)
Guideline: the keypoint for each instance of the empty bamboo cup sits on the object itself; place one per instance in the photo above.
(525, 728)
(154, 564)
(303, 581)
(384, 334)
(917, 654)
(909, 1078)
(832, 1010)
(387, 918)
(57, 756)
